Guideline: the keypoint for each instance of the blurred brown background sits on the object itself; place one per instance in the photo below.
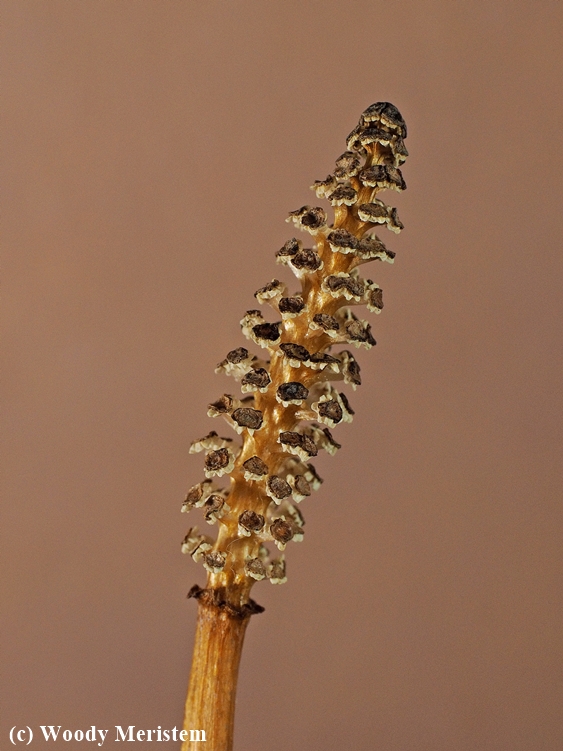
(152, 150)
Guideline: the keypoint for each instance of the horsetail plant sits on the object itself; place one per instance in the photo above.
(288, 408)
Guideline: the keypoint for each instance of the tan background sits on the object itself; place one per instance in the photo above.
(151, 153)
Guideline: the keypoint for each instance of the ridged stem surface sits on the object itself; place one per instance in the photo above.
(210, 705)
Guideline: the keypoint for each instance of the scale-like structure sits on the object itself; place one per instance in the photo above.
(290, 400)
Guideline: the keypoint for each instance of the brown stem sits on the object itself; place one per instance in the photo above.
(210, 705)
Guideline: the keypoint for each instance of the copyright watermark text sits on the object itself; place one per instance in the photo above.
(56, 733)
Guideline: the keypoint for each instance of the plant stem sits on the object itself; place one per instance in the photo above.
(293, 385)
(210, 705)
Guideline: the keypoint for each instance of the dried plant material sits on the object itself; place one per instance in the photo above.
(289, 407)
(249, 522)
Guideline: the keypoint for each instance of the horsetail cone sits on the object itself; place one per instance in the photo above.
(291, 398)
